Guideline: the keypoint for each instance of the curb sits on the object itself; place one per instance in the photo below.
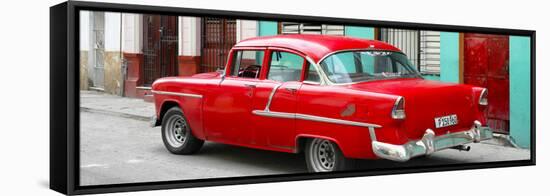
(117, 114)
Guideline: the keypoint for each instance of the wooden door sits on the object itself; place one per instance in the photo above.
(160, 47)
(218, 37)
(486, 64)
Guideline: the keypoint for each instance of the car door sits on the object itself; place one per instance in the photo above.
(228, 113)
(279, 88)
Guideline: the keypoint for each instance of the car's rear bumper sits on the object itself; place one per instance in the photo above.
(429, 143)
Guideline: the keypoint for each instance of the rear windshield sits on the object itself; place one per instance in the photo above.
(365, 65)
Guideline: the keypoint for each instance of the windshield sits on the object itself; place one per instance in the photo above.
(365, 65)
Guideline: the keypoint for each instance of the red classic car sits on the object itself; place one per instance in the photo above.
(333, 98)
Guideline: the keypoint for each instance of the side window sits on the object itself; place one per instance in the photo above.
(247, 63)
(285, 66)
(312, 75)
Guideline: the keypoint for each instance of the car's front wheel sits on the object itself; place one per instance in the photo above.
(177, 135)
(325, 156)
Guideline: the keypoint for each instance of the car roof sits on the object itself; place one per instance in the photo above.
(315, 46)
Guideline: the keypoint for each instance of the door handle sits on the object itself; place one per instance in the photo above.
(291, 89)
(250, 85)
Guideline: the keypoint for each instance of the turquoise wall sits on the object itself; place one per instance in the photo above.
(449, 58)
(520, 90)
(359, 32)
(267, 28)
(431, 77)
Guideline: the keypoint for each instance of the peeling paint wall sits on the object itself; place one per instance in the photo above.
(112, 61)
(113, 77)
(246, 29)
(84, 83)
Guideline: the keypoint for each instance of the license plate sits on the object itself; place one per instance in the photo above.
(446, 121)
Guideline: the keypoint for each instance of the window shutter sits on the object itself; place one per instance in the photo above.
(421, 47)
(311, 28)
(430, 52)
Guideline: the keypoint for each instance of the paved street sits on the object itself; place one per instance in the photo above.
(118, 146)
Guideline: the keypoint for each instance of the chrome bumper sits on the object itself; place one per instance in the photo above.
(429, 143)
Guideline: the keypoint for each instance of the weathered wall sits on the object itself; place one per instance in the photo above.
(84, 83)
(112, 57)
(189, 45)
(246, 29)
(111, 60)
(113, 77)
(132, 36)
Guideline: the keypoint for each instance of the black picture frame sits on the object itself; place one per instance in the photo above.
(64, 97)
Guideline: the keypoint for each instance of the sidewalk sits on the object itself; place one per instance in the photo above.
(98, 102)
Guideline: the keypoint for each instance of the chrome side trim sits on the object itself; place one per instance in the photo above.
(271, 96)
(177, 94)
(266, 112)
(274, 114)
(310, 82)
(313, 118)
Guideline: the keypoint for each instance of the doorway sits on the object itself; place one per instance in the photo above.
(218, 37)
(160, 47)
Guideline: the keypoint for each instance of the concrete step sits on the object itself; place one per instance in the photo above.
(145, 93)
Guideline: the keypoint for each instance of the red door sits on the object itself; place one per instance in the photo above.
(486, 65)
(218, 36)
(160, 47)
(228, 115)
(228, 112)
(277, 133)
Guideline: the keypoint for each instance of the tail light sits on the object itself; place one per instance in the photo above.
(483, 97)
(398, 111)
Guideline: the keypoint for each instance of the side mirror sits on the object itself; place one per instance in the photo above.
(222, 72)
(220, 69)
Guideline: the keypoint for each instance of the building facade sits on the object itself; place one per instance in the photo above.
(123, 54)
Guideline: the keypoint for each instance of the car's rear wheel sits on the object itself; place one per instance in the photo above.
(177, 135)
(325, 156)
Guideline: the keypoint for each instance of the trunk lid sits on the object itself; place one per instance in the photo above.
(426, 100)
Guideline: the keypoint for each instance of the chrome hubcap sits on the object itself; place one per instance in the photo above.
(323, 155)
(176, 131)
